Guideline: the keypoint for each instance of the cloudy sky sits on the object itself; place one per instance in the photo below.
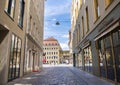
(57, 10)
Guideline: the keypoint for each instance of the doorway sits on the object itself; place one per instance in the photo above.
(109, 55)
(15, 56)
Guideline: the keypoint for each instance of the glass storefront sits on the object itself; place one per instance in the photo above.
(116, 47)
(109, 58)
(109, 55)
(80, 60)
(102, 58)
(88, 59)
(15, 55)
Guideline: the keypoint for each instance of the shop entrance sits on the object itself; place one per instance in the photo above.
(116, 48)
(15, 56)
(109, 55)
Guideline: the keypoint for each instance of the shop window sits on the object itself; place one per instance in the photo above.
(88, 59)
(109, 53)
(15, 56)
(10, 7)
(109, 58)
(102, 58)
(116, 46)
(80, 60)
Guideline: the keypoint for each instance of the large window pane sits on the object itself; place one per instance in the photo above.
(85, 60)
(21, 13)
(18, 58)
(102, 58)
(87, 19)
(15, 53)
(96, 9)
(116, 44)
(14, 58)
(88, 59)
(109, 58)
(10, 7)
(11, 58)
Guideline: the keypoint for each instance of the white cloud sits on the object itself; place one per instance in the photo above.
(54, 19)
(57, 10)
(50, 11)
(64, 46)
(65, 36)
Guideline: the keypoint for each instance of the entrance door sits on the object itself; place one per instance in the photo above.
(15, 54)
(116, 46)
(109, 58)
(102, 58)
(74, 60)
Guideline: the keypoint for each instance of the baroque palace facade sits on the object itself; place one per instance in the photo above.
(95, 37)
(53, 53)
(52, 50)
(18, 20)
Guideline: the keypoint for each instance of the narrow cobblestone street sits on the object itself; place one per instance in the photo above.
(59, 76)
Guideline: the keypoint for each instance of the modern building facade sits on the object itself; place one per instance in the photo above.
(95, 37)
(70, 45)
(52, 50)
(12, 31)
(34, 36)
(21, 38)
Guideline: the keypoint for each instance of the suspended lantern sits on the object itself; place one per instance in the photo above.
(57, 23)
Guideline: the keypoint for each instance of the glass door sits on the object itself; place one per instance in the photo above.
(15, 53)
(109, 58)
(102, 58)
(11, 59)
(116, 46)
(88, 59)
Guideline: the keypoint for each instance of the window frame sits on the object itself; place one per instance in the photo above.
(96, 10)
(21, 13)
(13, 72)
(87, 19)
(9, 4)
(83, 27)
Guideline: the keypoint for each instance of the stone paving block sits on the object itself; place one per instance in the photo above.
(59, 76)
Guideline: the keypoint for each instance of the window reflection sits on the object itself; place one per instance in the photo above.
(15, 53)
(109, 58)
(88, 59)
(116, 44)
(109, 55)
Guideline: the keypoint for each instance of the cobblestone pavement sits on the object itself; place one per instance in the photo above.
(59, 76)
